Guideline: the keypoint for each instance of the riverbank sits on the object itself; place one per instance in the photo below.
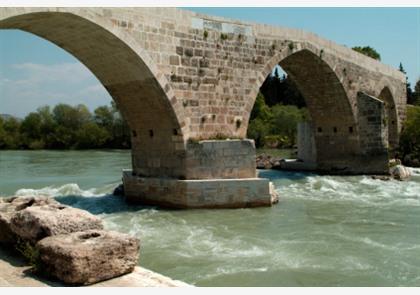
(15, 273)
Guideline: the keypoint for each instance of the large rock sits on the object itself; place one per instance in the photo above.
(400, 172)
(411, 161)
(35, 223)
(9, 206)
(88, 257)
(264, 161)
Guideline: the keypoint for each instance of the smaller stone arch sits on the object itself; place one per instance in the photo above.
(333, 123)
(391, 117)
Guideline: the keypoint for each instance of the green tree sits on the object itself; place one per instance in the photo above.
(30, 130)
(31, 126)
(416, 93)
(104, 116)
(258, 130)
(410, 134)
(90, 135)
(2, 135)
(260, 109)
(368, 51)
(284, 122)
(11, 136)
(410, 97)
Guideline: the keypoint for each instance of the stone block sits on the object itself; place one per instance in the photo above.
(87, 257)
(174, 60)
(36, 223)
(10, 206)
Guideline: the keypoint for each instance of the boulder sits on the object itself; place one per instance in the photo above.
(264, 161)
(87, 257)
(119, 190)
(35, 223)
(381, 177)
(400, 172)
(273, 193)
(9, 206)
(411, 161)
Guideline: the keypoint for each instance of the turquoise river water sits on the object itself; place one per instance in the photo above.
(325, 231)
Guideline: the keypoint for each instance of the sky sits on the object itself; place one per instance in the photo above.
(35, 72)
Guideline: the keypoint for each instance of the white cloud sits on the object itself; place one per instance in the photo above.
(24, 87)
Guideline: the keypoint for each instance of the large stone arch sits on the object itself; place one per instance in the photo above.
(141, 92)
(334, 124)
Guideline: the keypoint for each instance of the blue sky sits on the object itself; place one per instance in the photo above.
(35, 72)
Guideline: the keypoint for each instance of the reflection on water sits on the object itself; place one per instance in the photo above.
(325, 231)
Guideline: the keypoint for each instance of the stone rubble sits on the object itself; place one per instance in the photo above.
(36, 223)
(87, 257)
(12, 205)
(67, 243)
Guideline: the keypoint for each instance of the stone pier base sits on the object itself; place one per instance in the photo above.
(204, 193)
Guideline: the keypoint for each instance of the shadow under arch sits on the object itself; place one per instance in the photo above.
(333, 123)
(126, 74)
(391, 117)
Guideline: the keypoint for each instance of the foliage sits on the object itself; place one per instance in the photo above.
(276, 89)
(66, 127)
(416, 94)
(410, 134)
(368, 51)
(410, 94)
(276, 125)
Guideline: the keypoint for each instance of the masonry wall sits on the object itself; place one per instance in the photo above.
(221, 159)
(219, 193)
(374, 132)
(306, 142)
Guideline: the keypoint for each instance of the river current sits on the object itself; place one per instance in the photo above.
(325, 231)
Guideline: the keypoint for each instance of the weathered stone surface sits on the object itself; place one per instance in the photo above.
(88, 257)
(35, 223)
(9, 206)
(400, 172)
(15, 273)
(206, 193)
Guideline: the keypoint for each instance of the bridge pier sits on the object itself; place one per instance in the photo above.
(217, 174)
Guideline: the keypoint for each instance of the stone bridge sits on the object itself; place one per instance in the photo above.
(186, 84)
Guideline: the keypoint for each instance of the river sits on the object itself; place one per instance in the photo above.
(325, 231)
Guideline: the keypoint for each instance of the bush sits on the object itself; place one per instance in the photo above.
(276, 125)
(66, 127)
(410, 135)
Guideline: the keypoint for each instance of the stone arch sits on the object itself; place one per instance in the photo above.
(391, 117)
(141, 92)
(333, 120)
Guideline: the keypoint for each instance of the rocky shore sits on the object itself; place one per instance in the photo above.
(397, 170)
(65, 243)
(265, 161)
